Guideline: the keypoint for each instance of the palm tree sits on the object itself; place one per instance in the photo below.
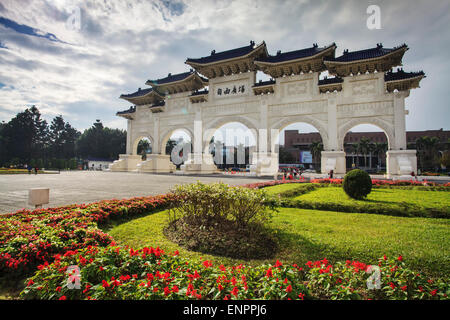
(427, 149)
(364, 148)
(316, 149)
(380, 148)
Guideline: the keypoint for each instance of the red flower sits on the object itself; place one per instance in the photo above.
(403, 288)
(301, 295)
(269, 273)
(175, 289)
(58, 289)
(220, 287)
(63, 298)
(105, 284)
(278, 264)
(400, 258)
(289, 289)
(433, 293)
(166, 291)
(234, 292)
(31, 282)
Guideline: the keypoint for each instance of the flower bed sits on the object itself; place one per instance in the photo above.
(123, 273)
(47, 242)
(29, 238)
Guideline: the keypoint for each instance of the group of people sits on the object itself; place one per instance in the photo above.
(30, 168)
(292, 174)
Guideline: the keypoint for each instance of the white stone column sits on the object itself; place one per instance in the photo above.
(399, 120)
(156, 148)
(265, 159)
(333, 156)
(129, 134)
(399, 160)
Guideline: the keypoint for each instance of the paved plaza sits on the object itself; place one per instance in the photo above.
(90, 186)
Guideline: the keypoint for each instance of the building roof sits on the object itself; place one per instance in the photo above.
(174, 78)
(378, 51)
(402, 75)
(139, 93)
(131, 109)
(297, 54)
(226, 55)
(264, 83)
(327, 80)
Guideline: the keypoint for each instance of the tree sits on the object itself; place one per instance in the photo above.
(380, 148)
(316, 149)
(62, 138)
(427, 152)
(364, 146)
(101, 142)
(285, 156)
(25, 136)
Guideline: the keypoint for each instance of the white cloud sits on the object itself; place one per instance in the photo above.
(121, 44)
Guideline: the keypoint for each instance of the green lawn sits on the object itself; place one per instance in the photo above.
(421, 198)
(311, 234)
(273, 190)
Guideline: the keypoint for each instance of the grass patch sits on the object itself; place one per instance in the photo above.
(305, 235)
(381, 200)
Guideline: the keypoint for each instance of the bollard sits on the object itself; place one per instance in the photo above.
(38, 196)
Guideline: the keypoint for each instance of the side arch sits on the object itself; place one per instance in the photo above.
(385, 126)
(165, 136)
(139, 138)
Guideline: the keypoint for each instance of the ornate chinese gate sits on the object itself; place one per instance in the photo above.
(364, 90)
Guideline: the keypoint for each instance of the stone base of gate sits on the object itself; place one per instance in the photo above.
(401, 163)
(126, 162)
(333, 160)
(264, 163)
(156, 163)
(199, 163)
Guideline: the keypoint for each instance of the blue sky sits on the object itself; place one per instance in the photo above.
(80, 73)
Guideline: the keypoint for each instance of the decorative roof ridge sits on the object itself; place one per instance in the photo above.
(264, 83)
(400, 74)
(199, 92)
(131, 109)
(326, 80)
(314, 51)
(173, 78)
(227, 54)
(364, 54)
(139, 93)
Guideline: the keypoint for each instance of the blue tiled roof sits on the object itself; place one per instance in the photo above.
(330, 81)
(199, 93)
(173, 78)
(130, 110)
(224, 55)
(161, 103)
(139, 93)
(400, 75)
(297, 54)
(371, 53)
(264, 83)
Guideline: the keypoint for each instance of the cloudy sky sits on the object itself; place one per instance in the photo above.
(78, 68)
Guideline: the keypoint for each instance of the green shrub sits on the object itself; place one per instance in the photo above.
(223, 220)
(357, 184)
(208, 203)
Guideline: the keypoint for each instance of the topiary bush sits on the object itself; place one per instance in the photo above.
(357, 184)
(219, 219)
